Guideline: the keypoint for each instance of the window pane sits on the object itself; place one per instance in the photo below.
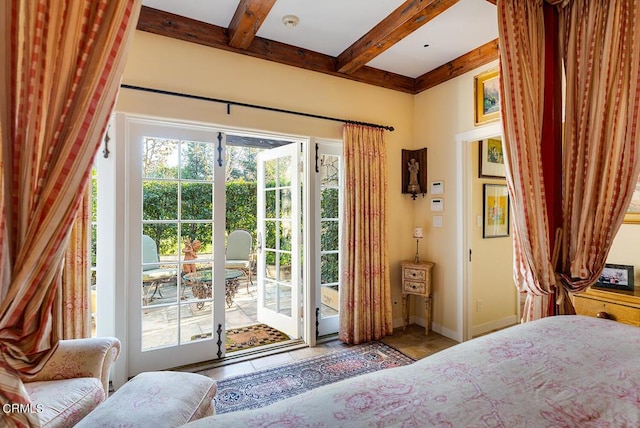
(159, 327)
(196, 322)
(285, 203)
(197, 201)
(165, 236)
(284, 171)
(285, 235)
(329, 268)
(270, 204)
(329, 170)
(159, 200)
(197, 160)
(159, 158)
(270, 173)
(329, 240)
(329, 203)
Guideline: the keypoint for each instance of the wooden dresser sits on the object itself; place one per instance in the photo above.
(416, 280)
(618, 305)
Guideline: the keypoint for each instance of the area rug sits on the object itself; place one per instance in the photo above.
(264, 387)
(239, 339)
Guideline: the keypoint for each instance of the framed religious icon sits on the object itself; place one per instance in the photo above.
(414, 172)
(487, 97)
(495, 211)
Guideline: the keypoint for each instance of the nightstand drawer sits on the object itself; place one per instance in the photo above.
(415, 287)
(415, 274)
(614, 311)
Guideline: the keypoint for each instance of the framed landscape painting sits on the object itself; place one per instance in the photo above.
(487, 91)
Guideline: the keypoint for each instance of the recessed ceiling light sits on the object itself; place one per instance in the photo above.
(290, 21)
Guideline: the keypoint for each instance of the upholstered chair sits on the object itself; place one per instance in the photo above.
(74, 380)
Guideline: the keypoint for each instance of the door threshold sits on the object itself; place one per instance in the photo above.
(245, 355)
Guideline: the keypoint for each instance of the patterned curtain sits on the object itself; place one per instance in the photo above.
(600, 46)
(365, 299)
(60, 72)
(75, 315)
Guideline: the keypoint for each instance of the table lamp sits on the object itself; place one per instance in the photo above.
(417, 233)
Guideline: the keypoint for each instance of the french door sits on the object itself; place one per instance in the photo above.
(176, 218)
(328, 208)
(278, 249)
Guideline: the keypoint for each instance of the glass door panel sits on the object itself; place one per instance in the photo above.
(174, 319)
(328, 204)
(278, 239)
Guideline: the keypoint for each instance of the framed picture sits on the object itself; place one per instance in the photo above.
(616, 276)
(487, 89)
(495, 211)
(633, 211)
(491, 158)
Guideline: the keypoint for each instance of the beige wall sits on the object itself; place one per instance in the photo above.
(493, 298)
(440, 114)
(624, 250)
(430, 119)
(172, 65)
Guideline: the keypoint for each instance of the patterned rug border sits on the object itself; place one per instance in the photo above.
(261, 388)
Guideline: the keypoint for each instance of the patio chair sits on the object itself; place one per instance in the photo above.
(153, 277)
(239, 253)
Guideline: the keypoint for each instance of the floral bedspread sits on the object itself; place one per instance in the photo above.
(568, 371)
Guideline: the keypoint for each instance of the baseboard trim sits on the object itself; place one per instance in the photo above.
(480, 329)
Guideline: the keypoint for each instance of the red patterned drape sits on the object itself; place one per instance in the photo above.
(600, 45)
(365, 293)
(60, 71)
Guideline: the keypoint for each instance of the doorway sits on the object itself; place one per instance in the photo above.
(173, 197)
(467, 224)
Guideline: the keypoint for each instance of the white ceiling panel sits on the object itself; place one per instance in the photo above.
(460, 29)
(331, 26)
(216, 12)
(326, 26)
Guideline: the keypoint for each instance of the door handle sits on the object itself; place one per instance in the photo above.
(259, 242)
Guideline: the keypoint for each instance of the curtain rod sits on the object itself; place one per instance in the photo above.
(236, 103)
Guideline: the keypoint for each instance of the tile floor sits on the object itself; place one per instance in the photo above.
(412, 342)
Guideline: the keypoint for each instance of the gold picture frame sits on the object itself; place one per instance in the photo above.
(633, 211)
(487, 90)
(491, 158)
(495, 211)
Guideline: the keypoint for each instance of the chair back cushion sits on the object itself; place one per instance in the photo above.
(239, 245)
(149, 253)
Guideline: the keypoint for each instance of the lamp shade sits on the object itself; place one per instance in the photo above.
(417, 232)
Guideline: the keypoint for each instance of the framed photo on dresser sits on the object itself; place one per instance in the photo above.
(619, 277)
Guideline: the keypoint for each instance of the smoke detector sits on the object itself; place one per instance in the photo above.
(290, 21)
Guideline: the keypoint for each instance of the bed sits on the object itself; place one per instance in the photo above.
(569, 371)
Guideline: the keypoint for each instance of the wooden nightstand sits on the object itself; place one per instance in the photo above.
(416, 279)
(618, 305)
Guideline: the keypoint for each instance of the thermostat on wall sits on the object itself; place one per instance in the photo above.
(437, 204)
(437, 187)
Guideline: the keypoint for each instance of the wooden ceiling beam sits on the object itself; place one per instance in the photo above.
(407, 18)
(493, 1)
(181, 28)
(246, 21)
(467, 62)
